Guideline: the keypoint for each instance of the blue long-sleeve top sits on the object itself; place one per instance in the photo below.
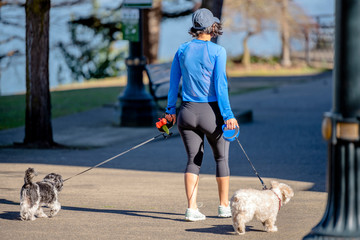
(202, 66)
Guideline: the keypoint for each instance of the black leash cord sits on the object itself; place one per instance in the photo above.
(262, 182)
(112, 158)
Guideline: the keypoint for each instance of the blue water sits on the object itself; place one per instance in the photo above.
(173, 33)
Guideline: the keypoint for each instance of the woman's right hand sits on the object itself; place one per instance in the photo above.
(171, 117)
(231, 123)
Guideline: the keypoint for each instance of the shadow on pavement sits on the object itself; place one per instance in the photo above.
(222, 230)
(134, 213)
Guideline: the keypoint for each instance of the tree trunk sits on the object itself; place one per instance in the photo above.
(215, 6)
(38, 129)
(246, 61)
(152, 18)
(307, 47)
(285, 35)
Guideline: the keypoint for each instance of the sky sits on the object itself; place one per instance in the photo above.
(174, 32)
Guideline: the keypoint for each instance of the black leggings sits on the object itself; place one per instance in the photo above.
(196, 120)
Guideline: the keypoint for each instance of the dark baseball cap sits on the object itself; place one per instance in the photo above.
(203, 18)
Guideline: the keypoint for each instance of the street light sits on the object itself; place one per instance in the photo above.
(341, 219)
(137, 107)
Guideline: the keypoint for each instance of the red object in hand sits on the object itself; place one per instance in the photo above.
(162, 125)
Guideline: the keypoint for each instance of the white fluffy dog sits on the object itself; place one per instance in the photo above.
(34, 195)
(264, 205)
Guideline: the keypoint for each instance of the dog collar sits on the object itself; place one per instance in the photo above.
(278, 198)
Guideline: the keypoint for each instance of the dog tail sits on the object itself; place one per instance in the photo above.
(29, 175)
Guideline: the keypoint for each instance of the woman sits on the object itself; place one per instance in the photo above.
(205, 108)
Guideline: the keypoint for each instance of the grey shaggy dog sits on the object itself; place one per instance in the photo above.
(35, 195)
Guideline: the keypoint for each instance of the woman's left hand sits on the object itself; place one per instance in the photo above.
(171, 117)
(231, 123)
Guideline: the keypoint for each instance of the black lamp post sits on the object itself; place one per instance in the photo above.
(341, 219)
(136, 105)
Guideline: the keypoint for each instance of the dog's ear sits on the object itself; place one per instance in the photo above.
(31, 172)
(59, 182)
(235, 198)
(287, 192)
(274, 184)
(50, 177)
(56, 179)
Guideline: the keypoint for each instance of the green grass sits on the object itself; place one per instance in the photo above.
(12, 108)
(234, 72)
(12, 111)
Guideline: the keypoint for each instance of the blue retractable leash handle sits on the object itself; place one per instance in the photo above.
(232, 134)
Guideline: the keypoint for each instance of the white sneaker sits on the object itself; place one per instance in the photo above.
(224, 212)
(194, 215)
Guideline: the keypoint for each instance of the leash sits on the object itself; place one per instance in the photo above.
(278, 199)
(262, 182)
(120, 154)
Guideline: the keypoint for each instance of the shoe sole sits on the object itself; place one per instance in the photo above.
(194, 219)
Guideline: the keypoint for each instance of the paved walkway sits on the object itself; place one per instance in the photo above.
(140, 195)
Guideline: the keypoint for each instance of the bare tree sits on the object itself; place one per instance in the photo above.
(293, 23)
(38, 128)
(285, 34)
(254, 16)
(152, 19)
(250, 17)
(301, 26)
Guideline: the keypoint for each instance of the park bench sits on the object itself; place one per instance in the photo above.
(159, 83)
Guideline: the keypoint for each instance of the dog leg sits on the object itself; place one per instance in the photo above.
(270, 225)
(29, 216)
(24, 215)
(239, 224)
(40, 213)
(241, 228)
(55, 208)
(23, 211)
(31, 213)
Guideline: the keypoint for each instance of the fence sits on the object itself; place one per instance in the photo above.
(318, 43)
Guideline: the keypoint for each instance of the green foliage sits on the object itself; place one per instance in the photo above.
(91, 54)
(12, 108)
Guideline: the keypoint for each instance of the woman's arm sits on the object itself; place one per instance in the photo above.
(175, 76)
(221, 88)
